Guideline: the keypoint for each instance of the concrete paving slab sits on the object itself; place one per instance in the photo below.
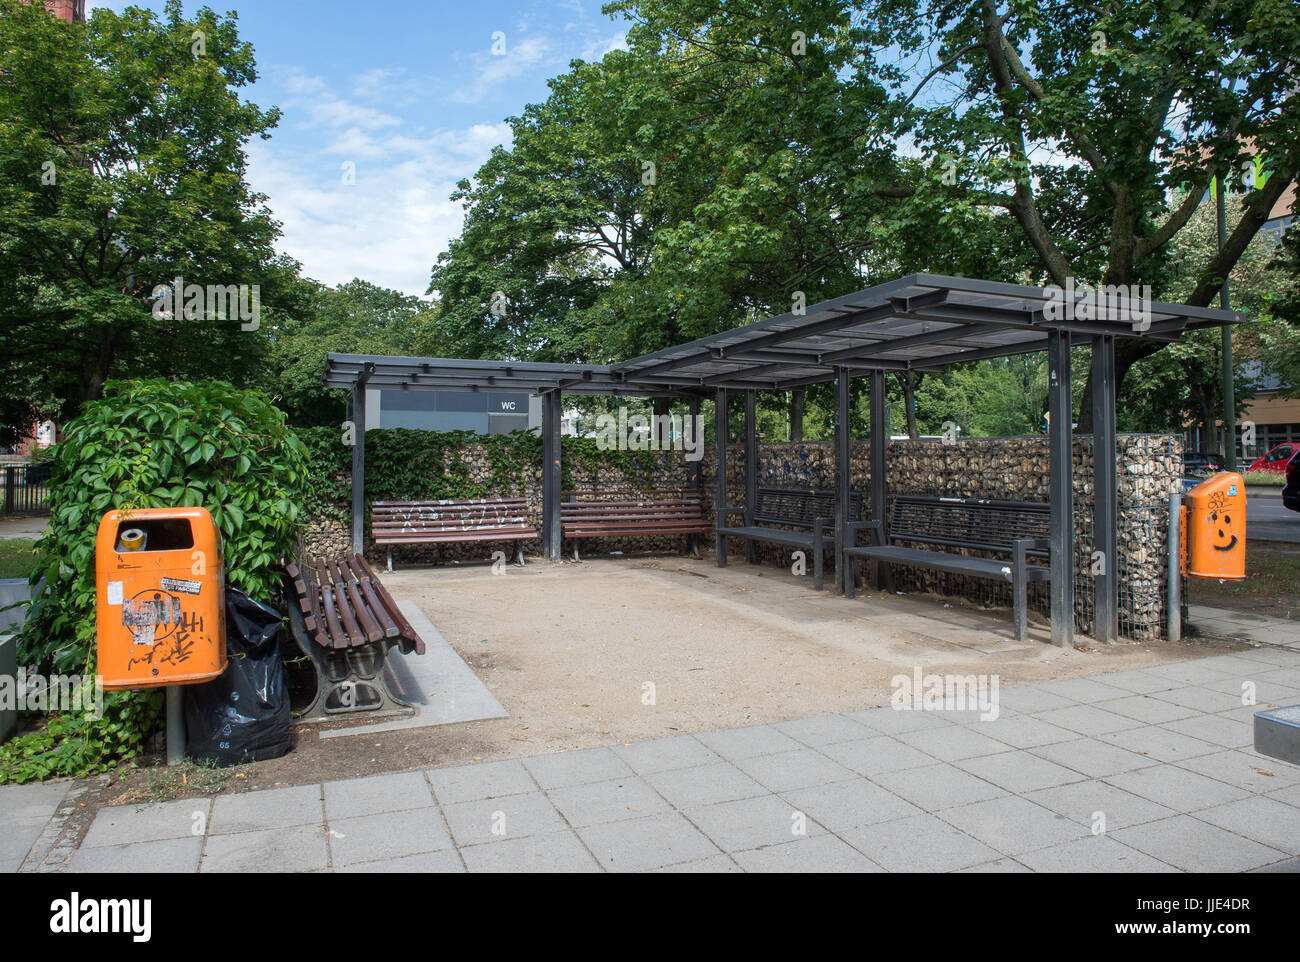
(1025, 731)
(666, 754)
(824, 730)
(892, 721)
(1177, 788)
(1087, 720)
(378, 793)
(124, 824)
(610, 801)
(1093, 758)
(737, 743)
(1092, 853)
(1192, 845)
(561, 852)
(267, 809)
(1215, 729)
(919, 843)
(816, 854)
(750, 822)
(426, 863)
(875, 756)
(1140, 682)
(790, 771)
(1019, 772)
(1148, 710)
(467, 783)
(495, 820)
(935, 788)
(705, 785)
(717, 865)
(1097, 805)
(644, 844)
(952, 743)
(387, 835)
(1012, 825)
(168, 855)
(296, 848)
(1264, 820)
(1160, 743)
(850, 804)
(574, 768)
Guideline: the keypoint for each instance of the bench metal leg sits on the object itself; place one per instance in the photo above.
(576, 559)
(519, 555)
(1019, 602)
(819, 549)
(390, 559)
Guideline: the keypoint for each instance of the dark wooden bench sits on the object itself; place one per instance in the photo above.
(812, 510)
(345, 622)
(450, 522)
(1016, 531)
(611, 514)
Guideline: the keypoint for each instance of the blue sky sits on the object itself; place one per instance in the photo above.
(411, 94)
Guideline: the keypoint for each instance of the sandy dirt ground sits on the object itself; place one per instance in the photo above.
(621, 649)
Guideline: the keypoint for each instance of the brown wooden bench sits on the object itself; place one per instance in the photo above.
(450, 522)
(614, 514)
(345, 622)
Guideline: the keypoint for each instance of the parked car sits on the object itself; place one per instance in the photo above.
(1202, 462)
(1291, 490)
(1276, 458)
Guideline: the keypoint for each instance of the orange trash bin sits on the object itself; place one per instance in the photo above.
(160, 598)
(1214, 522)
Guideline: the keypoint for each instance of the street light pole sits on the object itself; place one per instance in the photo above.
(1229, 400)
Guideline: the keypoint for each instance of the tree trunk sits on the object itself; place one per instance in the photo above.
(796, 414)
(1127, 353)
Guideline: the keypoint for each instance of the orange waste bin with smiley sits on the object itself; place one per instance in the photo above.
(1214, 520)
(161, 610)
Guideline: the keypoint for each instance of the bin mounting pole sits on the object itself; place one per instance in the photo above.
(176, 735)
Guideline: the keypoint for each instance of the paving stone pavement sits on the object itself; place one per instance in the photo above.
(1146, 770)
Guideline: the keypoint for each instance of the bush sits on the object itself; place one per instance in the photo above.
(149, 444)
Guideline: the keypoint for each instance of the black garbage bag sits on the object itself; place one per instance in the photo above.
(242, 715)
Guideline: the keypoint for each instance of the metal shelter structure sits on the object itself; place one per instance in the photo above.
(922, 322)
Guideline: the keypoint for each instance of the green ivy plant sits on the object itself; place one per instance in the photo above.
(149, 444)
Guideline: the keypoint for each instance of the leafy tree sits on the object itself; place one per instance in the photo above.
(313, 320)
(122, 167)
(1077, 122)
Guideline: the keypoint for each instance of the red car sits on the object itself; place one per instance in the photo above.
(1291, 491)
(1277, 458)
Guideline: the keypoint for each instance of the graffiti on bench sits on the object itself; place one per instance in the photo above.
(457, 517)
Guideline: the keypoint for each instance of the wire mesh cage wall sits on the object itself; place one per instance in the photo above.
(1013, 469)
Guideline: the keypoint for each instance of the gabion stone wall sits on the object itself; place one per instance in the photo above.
(1014, 469)
(323, 537)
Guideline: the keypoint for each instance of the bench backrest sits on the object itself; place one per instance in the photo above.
(967, 522)
(686, 505)
(420, 517)
(800, 507)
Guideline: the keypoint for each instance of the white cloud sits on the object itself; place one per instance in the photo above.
(492, 71)
(390, 225)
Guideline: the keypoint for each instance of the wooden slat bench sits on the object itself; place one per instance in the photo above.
(345, 621)
(812, 510)
(450, 522)
(1015, 530)
(612, 514)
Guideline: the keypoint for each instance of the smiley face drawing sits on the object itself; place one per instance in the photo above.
(1223, 537)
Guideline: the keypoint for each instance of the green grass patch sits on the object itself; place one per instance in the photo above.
(1272, 586)
(1270, 478)
(16, 557)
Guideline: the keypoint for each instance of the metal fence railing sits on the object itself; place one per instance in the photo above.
(24, 489)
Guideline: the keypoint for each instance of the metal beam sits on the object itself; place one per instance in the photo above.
(720, 476)
(1105, 562)
(551, 474)
(879, 468)
(843, 474)
(751, 470)
(359, 459)
(697, 437)
(1061, 485)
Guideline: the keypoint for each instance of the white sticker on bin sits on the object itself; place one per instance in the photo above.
(115, 592)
